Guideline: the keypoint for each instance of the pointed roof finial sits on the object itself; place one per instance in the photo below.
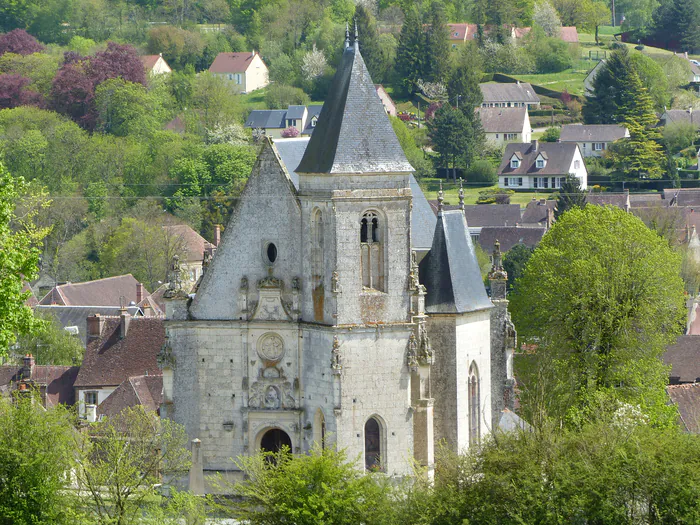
(356, 43)
(441, 197)
(461, 195)
(347, 35)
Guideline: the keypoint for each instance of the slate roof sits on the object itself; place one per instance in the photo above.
(295, 112)
(511, 422)
(536, 211)
(509, 236)
(145, 391)
(231, 62)
(483, 215)
(102, 292)
(592, 132)
(313, 111)
(56, 382)
(502, 120)
(687, 399)
(450, 271)
(676, 116)
(266, 118)
(77, 315)
(422, 217)
(682, 197)
(353, 134)
(619, 200)
(684, 358)
(110, 360)
(638, 200)
(510, 92)
(559, 157)
(590, 77)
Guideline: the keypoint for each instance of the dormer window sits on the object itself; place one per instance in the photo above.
(313, 121)
(514, 163)
(540, 162)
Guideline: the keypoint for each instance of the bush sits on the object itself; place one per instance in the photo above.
(279, 96)
(482, 171)
(678, 136)
(551, 55)
(551, 135)
(290, 132)
(494, 195)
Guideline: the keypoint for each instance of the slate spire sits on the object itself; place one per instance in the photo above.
(353, 133)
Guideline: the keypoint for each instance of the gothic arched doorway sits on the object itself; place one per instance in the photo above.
(274, 439)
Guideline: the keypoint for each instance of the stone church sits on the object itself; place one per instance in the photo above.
(338, 310)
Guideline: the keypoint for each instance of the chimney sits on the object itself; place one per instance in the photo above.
(140, 296)
(124, 321)
(543, 202)
(534, 144)
(28, 368)
(217, 235)
(160, 55)
(686, 54)
(252, 54)
(94, 327)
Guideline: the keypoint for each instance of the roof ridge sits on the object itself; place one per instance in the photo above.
(96, 280)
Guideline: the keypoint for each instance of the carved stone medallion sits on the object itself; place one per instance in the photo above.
(271, 347)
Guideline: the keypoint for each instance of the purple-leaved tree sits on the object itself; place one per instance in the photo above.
(20, 42)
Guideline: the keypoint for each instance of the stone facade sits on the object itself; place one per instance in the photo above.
(310, 326)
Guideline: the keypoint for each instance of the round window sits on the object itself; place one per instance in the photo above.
(271, 252)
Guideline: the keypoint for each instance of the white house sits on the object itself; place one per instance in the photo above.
(503, 125)
(541, 166)
(245, 71)
(509, 95)
(155, 64)
(593, 140)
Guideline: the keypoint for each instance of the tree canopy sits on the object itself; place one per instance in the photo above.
(601, 297)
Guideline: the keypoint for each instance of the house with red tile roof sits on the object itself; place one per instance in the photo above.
(245, 72)
(118, 348)
(54, 383)
(155, 64)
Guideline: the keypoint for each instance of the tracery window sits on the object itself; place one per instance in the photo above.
(373, 445)
(372, 251)
(474, 406)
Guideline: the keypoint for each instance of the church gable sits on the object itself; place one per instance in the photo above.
(260, 243)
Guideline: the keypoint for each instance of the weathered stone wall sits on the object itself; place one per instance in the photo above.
(502, 348)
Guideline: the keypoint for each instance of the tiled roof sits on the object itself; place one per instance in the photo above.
(56, 382)
(559, 157)
(619, 200)
(77, 316)
(592, 132)
(102, 292)
(482, 215)
(638, 200)
(569, 34)
(459, 31)
(676, 116)
(192, 244)
(687, 399)
(145, 391)
(510, 92)
(684, 358)
(353, 134)
(231, 62)
(149, 61)
(509, 236)
(536, 211)
(502, 120)
(682, 197)
(450, 271)
(422, 217)
(110, 360)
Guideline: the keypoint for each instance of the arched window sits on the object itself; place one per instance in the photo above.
(474, 406)
(372, 251)
(317, 266)
(320, 429)
(373, 445)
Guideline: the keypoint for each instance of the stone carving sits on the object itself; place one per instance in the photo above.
(271, 347)
(243, 295)
(165, 358)
(412, 358)
(175, 290)
(425, 350)
(336, 365)
(335, 283)
(272, 394)
(272, 397)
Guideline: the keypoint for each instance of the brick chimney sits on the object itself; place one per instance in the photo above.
(124, 321)
(28, 367)
(94, 326)
(140, 294)
(217, 235)
(535, 144)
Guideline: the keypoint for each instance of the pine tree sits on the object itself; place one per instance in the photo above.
(640, 155)
(369, 42)
(570, 196)
(436, 66)
(409, 52)
(610, 90)
(448, 132)
(687, 21)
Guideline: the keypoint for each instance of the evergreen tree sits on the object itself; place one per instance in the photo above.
(570, 196)
(369, 42)
(465, 78)
(448, 132)
(610, 90)
(436, 66)
(687, 21)
(409, 52)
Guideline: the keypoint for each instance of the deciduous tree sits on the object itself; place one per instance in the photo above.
(20, 42)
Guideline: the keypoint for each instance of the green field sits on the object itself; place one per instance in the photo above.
(431, 186)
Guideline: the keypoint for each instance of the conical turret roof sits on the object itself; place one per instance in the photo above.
(353, 134)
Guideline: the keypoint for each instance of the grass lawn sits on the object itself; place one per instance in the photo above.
(431, 186)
